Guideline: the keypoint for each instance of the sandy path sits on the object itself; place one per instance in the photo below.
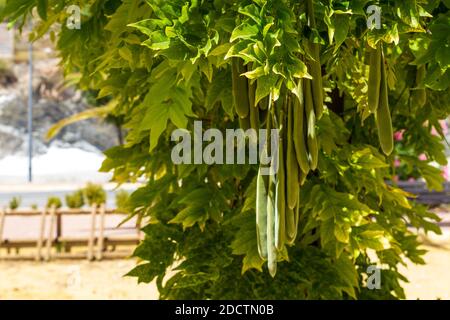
(431, 281)
(104, 280)
(71, 280)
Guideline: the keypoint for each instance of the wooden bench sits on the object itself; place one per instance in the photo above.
(425, 196)
(96, 243)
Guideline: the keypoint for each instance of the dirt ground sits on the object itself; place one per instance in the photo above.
(71, 280)
(431, 281)
(105, 280)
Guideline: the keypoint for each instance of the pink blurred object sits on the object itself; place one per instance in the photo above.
(444, 128)
(395, 178)
(434, 131)
(423, 157)
(411, 179)
(398, 136)
(397, 163)
(446, 173)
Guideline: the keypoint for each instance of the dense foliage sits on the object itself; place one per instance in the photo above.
(166, 63)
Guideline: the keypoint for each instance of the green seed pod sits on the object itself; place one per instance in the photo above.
(419, 96)
(291, 232)
(383, 116)
(313, 148)
(280, 195)
(240, 88)
(298, 131)
(292, 167)
(374, 79)
(244, 123)
(315, 66)
(272, 254)
(254, 110)
(261, 213)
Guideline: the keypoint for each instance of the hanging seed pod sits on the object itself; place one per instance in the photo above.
(262, 183)
(374, 79)
(272, 253)
(240, 88)
(254, 110)
(383, 115)
(419, 96)
(298, 130)
(315, 66)
(292, 167)
(291, 225)
(313, 148)
(244, 123)
(280, 195)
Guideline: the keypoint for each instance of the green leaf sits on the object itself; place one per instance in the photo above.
(251, 11)
(42, 9)
(409, 13)
(165, 101)
(190, 216)
(244, 31)
(220, 50)
(443, 56)
(219, 90)
(327, 232)
(342, 25)
(392, 35)
(245, 244)
(250, 198)
(145, 273)
(156, 120)
(365, 160)
(342, 232)
(126, 54)
(255, 73)
(432, 176)
(347, 272)
(264, 85)
(84, 115)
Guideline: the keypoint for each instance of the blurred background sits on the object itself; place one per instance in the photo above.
(77, 151)
(61, 168)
